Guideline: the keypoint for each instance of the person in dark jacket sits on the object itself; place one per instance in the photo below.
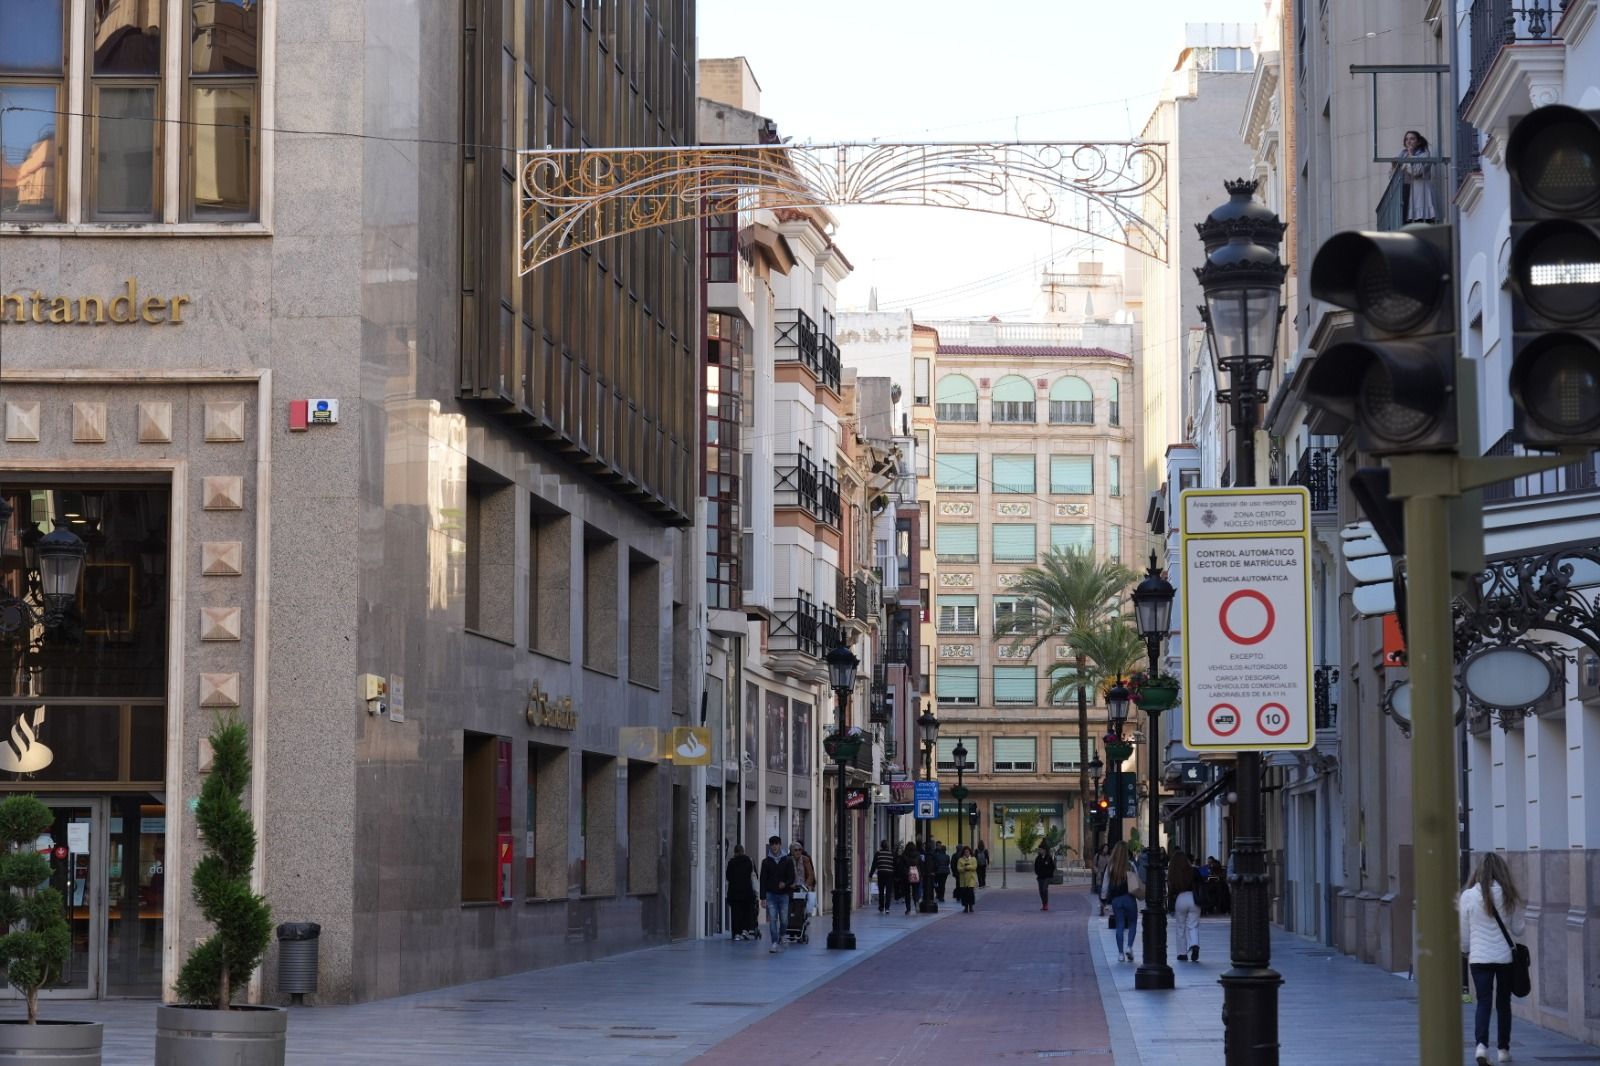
(907, 862)
(941, 869)
(981, 853)
(777, 884)
(883, 869)
(742, 895)
(1044, 870)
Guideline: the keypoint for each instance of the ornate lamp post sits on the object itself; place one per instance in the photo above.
(1117, 749)
(1152, 603)
(842, 675)
(1095, 769)
(960, 791)
(59, 559)
(1242, 280)
(928, 726)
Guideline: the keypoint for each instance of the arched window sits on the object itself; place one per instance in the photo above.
(1115, 413)
(956, 399)
(1011, 400)
(1072, 402)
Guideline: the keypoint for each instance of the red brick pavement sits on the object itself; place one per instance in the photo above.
(1005, 983)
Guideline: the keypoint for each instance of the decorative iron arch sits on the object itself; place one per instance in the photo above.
(573, 198)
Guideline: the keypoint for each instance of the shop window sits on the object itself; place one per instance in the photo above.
(598, 826)
(644, 620)
(644, 832)
(545, 846)
(600, 590)
(490, 554)
(480, 756)
(550, 580)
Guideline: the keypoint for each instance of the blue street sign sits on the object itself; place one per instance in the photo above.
(927, 800)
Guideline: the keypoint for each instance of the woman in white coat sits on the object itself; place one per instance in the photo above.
(1491, 898)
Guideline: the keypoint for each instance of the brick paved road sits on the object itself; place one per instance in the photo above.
(1006, 982)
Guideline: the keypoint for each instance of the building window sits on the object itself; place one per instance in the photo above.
(1114, 543)
(491, 552)
(924, 523)
(1010, 608)
(1114, 408)
(549, 580)
(1014, 543)
(1066, 755)
(597, 853)
(546, 827)
(1072, 474)
(644, 620)
(1015, 754)
(724, 374)
(954, 472)
(600, 591)
(644, 859)
(1011, 400)
(1071, 402)
(113, 172)
(1064, 689)
(956, 399)
(1016, 686)
(924, 439)
(944, 753)
(957, 542)
(958, 614)
(800, 737)
(1072, 536)
(920, 374)
(957, 685)
(485, 813)
(1114, 475)
(1013, 473)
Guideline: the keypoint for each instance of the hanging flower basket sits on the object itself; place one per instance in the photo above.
(1117, 749)
(1157, 697)
(843, 747)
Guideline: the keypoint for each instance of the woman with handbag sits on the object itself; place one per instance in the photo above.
(1121, 888)
(1491, 916)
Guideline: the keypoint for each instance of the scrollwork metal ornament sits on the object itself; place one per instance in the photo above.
(575, 198)
(1527, 593)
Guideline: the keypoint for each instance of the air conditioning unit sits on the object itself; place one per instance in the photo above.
(1589, 677)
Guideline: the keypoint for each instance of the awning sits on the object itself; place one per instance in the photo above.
(1201, 798)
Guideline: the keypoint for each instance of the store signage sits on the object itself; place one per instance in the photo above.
(856, 798)
(544, 709)
(125, 308)
(22, 752)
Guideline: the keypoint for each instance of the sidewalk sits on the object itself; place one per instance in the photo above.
(660, 1005)
(1331, 1007)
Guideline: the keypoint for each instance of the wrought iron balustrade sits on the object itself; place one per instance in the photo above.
(831, 629)
(828, 509)
(802, 483)
(1579, 476)
(1324, 696)
(1011, 411)
(828, 361)
(1318, 471)
(1072, 412)
(897, 651)
(955, 412)
(796, 626)
(796, 341)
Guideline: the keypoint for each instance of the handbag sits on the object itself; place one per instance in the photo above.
(1135, 885)
(1521, 961)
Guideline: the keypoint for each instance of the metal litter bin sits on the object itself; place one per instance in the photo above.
(297, 958)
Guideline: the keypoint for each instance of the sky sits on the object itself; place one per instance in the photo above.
(956, 70)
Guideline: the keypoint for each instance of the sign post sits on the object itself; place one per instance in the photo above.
(927, 801)
(1246, 619)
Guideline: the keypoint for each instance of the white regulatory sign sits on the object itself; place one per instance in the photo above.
(1246, 594)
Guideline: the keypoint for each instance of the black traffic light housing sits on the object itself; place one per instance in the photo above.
(1397, 383)
(1553, 158)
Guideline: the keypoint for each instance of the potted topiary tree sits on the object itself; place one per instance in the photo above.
(37, 943)
(209, 1023)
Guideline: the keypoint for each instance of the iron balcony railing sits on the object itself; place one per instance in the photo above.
(831, 629)
(1318, 471)
(1492, 25)
(955, 412)
(796, 626)
(1072, 412)
(1011, 411)
(1579, 476)
(802, 483)
(828, 361)
(1325, 704)
(800, 341)
(1392, 205)
(897, 651)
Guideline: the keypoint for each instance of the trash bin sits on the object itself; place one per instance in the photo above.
(297, 958)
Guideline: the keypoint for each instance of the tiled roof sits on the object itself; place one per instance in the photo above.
(1042, 351)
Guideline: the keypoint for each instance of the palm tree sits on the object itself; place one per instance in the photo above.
(1074, 596)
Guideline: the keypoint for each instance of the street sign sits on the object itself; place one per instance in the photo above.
(1246, 594)
(927, 800)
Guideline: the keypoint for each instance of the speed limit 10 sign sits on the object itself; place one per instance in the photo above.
(1246, 592)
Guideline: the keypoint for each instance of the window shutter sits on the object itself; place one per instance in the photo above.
(1014, 543)
(957, 684)
(957, 388)
(958, 614)
(957, 541)
(1114, 543)
(946, 752)
(956, 472)
(1014, 753)
(1013, 473)
(1016, 685)
(1072, 473)
(1114, 475)
(1076, 537)
(1066, 754)
(1069, 694)
(1012, 389)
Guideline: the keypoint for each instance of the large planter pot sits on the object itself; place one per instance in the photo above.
(200, 1036)
(56, 1043)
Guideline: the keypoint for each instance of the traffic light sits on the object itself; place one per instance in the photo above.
(1397, 382)
(1102, 812)
(1553, 157)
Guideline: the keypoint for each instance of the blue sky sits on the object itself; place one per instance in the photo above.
(951, 70)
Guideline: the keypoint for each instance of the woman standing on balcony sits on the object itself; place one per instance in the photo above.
(1417, 179)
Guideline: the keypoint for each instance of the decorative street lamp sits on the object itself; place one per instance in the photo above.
(1095, 769)
(1242, 280)
(58, 557)
(842, 664)
(1152, 604)
(1117, 749)
(928, 726)
(960, 791)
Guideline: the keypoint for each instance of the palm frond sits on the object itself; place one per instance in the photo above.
(1069, 590)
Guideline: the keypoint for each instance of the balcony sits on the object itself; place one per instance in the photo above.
(1318, 471)
(796, 626)
(898, 651)
(1580, 476)
(802, 483)
(799, 341)
(878, 705)
(1325, 705)
(1072, 413)
(857, 599)
(1516, 56)
(829, 364)
(955, 412)
(1392, 205)
(1011, 411)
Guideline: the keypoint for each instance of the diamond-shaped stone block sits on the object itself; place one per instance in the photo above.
(222, 558)
(155, 423)
(224, 422)
(22, 421)
(89, 423)
(222, 492)
(221, 623)
(219, 690)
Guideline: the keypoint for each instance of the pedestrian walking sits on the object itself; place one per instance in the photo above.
(1044, 871)
(941, 869)
(907, 874)
(981, 853)
(742, 895)
(883, 869)
(966, 879)
(777, 884)
(1491, 916)
(1102, 859)
(805, 871)
(1181, 882)
(1118, 889)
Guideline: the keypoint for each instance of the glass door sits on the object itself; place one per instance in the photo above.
(75, 846)
(135, 874)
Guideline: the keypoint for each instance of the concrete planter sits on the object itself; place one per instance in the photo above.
(55, 1043)
(200, 1036)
